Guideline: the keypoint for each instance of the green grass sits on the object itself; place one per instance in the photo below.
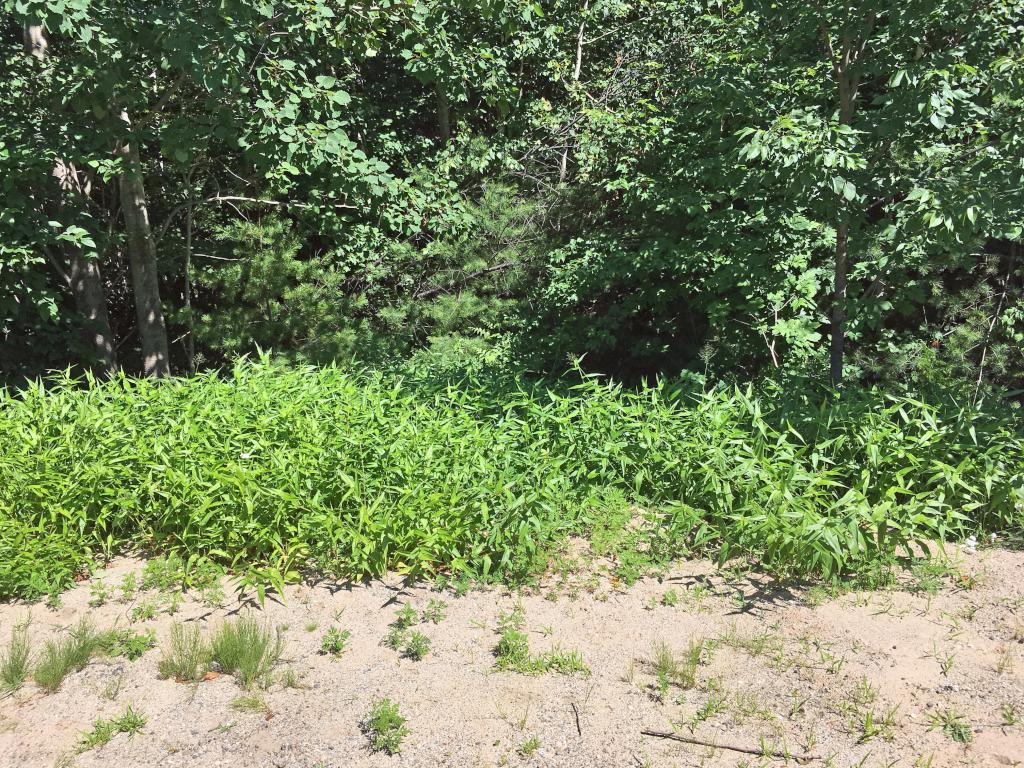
(267, 470)
(246, 649)
(672, 669)
(66, 654)
(385, 727)
(15, 660)
(251, 703)
(953, 724)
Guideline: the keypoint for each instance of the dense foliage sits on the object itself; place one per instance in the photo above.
(656, 186)
(271, 470)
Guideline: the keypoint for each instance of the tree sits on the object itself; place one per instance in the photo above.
(81, 272)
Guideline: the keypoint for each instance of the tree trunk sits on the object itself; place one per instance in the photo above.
(563, 163)
(87, 288)
(86, 283)
(847, 82)
(142, 258)
(35, 41)
(839, 305)
(83, 273)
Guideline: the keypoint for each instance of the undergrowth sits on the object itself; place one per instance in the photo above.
(268, 470)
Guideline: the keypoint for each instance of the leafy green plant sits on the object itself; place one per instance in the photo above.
(128, 587)
(144, 611)
(99, 593)
(529, 747)
(385, 727)
(807, 487)
(246, 649)
(406, 617)
(513, 651)
(416, 646)
(1008, 714)
(186, 656)
(164, 573)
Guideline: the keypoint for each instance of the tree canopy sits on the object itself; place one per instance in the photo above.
(828, 190)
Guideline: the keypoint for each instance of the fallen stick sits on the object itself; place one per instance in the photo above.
(577, 713)
(730, 747)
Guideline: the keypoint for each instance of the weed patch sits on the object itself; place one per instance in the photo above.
(131, 722)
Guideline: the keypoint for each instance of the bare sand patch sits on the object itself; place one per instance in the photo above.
(866, 678)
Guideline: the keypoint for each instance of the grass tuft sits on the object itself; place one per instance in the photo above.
(185, 657)
(246, 649)
(67, 654)
(15, 660)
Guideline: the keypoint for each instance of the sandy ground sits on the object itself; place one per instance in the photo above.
(784, 669)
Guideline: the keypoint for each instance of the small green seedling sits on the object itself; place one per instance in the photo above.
(406, 617)
(953, 724)
(144, 611)
(529, 747)
(385, 727)
(99, 593)
(1009, 714)
(334, 642)
(128, 587)
(435, 612)
(417, 646)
